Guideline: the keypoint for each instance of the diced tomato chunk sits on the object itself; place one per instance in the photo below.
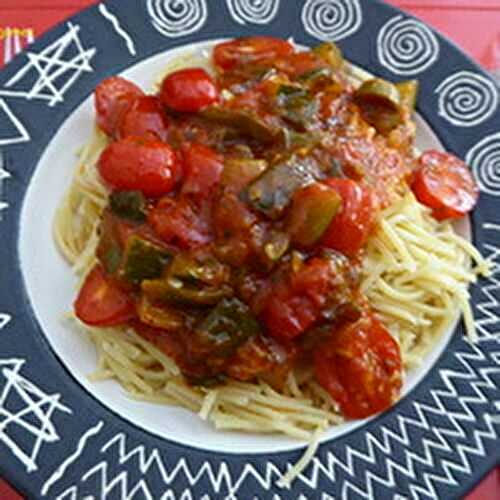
(296, 300)
(444, 183)
(113, 97)
(353, 224)
(181, 223)
(360, 366)
(144, 117)
(102, 303)
(140, 163)
(202, 170)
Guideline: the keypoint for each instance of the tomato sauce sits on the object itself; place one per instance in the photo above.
(239, 210)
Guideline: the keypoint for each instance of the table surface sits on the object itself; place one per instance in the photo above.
(457, 19)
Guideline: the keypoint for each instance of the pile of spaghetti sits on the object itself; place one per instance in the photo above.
(260, 242)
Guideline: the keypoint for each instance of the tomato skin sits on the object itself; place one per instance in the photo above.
(138, 163)
(250, 51)
(101, 302)
(300, 63)
(444, 183)
(145, 116)
(189, 90)
(202, 170)
(112, 98)
(295, 301)
(360, 366)
(351, 227)
(180, 223)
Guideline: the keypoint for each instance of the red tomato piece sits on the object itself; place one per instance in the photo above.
(189, 90)
(180, 223)
(444, 183)
(202, 170)
(102, 303)
(351, 227)
(113, 97)
(145, 116)
(250, 51)
(140, 163)
(295, 301)
(360, 366)
(300, 63)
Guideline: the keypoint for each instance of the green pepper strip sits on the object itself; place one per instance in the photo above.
(226, 327)
(143, 260)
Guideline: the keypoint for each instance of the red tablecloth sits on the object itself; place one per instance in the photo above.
(472, 24)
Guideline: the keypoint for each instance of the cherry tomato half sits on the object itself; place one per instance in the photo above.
(113, 97)
(145, 116)
(189, 90)
(360, 366)
(444, 183)
(202, 169)
(351, 227)
(101, 303)
(251, 51)
(138, 163)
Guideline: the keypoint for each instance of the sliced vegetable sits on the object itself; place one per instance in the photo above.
(144, 117)
(141, 164)
(408, 93)
(250, 51)
(244, 121)
(360, 366)
(101, 302)
(202, 170)
(130, 205)
(311, 213)
(189, 90)
(349, 230)
(199, 268)
(112, 98)
(227, 326)
(380, 104)
(164, 317)
(143, 260)
(277, 245)
(110, 248)
(330, 53)
(297, 105)
(175, 291)
(297, 140)
(238, 172)
(444, 183)
(272, 192)
(315, 76)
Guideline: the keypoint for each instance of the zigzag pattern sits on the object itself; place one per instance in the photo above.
(331, 466)
(488, 325)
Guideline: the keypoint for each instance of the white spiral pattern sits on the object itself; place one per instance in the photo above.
(174, 18)
(253, 11)
(467, 99)
(406, 46)
(332, 20)
(484, 159)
